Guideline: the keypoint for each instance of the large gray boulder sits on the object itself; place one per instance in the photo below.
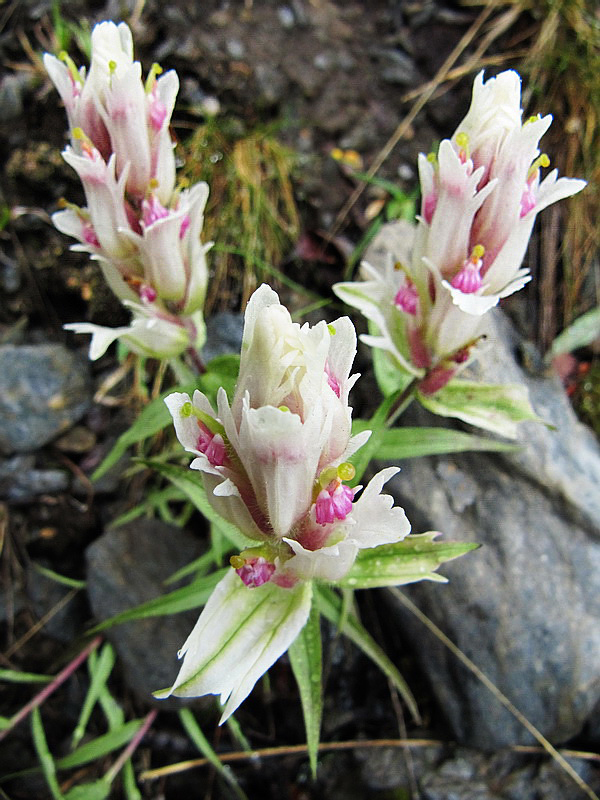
(525, 607)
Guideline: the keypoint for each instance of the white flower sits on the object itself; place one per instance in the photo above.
(480, 195)
(275, 462)
(150, 333)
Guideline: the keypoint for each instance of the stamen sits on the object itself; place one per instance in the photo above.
(153, 210)
(541, 161)
(334, 502)
(346, 471)
(155, 70)
(407, 297)
(254, 572)
(469, 279)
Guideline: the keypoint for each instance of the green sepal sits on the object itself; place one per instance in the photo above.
(494, 407)
(413, 559)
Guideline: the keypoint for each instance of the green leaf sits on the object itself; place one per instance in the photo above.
(389, 376)
(330, 605)
(415, 442)
(44, 754)
(190, 483)
(413, 559)
(102, 667)
(306, 661)
(97, 790)
(197, 736)
(153, 418)
(72, 583)
(101, 745)
(580, 333)
(192, 596)
(13, 676)
(496, 408)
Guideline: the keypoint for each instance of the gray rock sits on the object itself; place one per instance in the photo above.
(44, 389)
(20, 481)
(223, 335)
(525, 607)
(127, 566)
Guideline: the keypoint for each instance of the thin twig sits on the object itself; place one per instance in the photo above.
(131, 747)
(62, 676)
(297, 749)
(502, 698)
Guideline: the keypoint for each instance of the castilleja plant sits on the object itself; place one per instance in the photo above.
(275, 463)
(142, 229)
(481, 193)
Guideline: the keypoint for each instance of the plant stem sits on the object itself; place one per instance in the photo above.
(402, 402)
(62, 676)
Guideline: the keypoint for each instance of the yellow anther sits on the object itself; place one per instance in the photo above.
(478, 253)
(432, 158)
(346, 471)
(331, 329)
(283, 408)
(187, 409)
(112, 66)
(533, 118)
(237, 562)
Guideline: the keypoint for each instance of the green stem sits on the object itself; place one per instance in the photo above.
(402, 402)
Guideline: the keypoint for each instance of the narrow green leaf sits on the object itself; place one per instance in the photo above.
(101, 745)
(497, 408)
(153, 418)
(330, 605)
(72, 583)
(102, 667)
(306, 661)
(197, 736)
(415, 442)
(414, 559)
(5, 722)
(97, 790)
(580, 333)
(235, 730)
(190, 484)
(13, 676)
(44, 754)
(192, 596)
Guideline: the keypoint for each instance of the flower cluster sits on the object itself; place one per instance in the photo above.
(142, 229)
(275, 463)
(480, 196)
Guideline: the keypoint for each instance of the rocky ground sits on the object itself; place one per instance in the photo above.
(327, 75)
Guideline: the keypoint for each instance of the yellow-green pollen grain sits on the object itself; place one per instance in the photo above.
(346, 471)
(188, 409)
(331, 329)
(283, 408)
(66, 59)
(155, 70)
(462, 140)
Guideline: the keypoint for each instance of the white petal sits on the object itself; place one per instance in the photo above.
(375, 518)
(239, 635)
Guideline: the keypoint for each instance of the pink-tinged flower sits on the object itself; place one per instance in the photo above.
(282, 479)
(286, 436)
(481, 193)
(152, 332)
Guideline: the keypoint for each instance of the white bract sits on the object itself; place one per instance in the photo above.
(142, 230)
(480, 195)
(274, 463)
